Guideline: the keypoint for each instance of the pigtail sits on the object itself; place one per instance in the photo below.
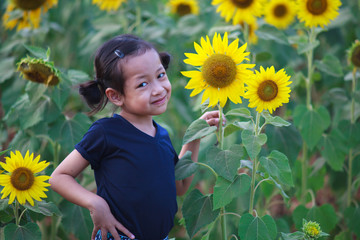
(93, 92)
(165, 59)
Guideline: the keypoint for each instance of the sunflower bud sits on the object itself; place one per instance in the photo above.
(354, 54)
(311, 229)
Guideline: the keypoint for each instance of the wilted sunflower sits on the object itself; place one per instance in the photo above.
(354, 54)
(239, 10)
(317, 12)
(280, 13)
(221, 72)
(38, 70)
(184, 7)
(30, 13)
(267, 89)
(108, 5)
(21, 180)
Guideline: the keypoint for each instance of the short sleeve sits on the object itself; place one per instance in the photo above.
(92, 146)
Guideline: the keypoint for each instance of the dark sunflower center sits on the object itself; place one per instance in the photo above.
(22, 178)
(316, 7)
(183, 9)
(28, 4)
(40, 73)
(280, 11)
(219, 70)
(267, 90)
(242, 3)
(355, 56)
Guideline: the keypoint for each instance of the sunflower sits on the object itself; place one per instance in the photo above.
(354, 54)
(30, 13)
(280, 13)
(267, 89)
(21, 180)
(108, 5)
(239, 10)
(317, 12)
(221, 72)
(39, 70)
(184, 7)
(252, 27)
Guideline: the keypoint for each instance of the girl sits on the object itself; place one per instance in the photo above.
(131, 155)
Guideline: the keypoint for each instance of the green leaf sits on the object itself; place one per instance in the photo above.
(279, 138)
(263, 56)
(293, 236)
(76, 220)
(333, 150)
(45, 208)
(231, 128)
(276, 121)
(197, 129)
(244, 224)
(77, 76)
(311, 123)
(185, 167)
(225, 162)
(268, 32)
(325, 215)
(352, 217)
(270, 225)
(197, 211)
(30, 231)
(351, 133)
(4, 203)
(239, 112)
(36, 51)
(257, 230)
(7, 68)
(277, 165)
(330, 65)
(59, 96)
(302, 43)
(298, 215)
(253, 143)
(225, 191)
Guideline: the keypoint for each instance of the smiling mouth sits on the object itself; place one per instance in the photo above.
(160, 101)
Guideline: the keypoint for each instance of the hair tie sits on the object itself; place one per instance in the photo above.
(119, 53)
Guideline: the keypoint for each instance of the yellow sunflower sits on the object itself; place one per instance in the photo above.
(280, 13)
(30, 13)
(22, 181)
(267, 89)
(317, 12)
(108, 5)
(239, 10)
(252, 27)
(184, 7)
(221, 73)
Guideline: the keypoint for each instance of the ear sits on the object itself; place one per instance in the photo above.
(114, 96)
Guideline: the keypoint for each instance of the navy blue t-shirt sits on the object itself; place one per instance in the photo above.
(134, 173)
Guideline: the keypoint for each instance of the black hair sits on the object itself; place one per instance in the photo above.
(108, 72)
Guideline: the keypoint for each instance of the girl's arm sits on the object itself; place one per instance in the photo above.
(212, 118)
(63, 182)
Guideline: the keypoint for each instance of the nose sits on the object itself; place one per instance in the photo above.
(157, 89)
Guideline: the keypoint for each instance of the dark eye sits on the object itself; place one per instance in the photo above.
(143, 84)
(161, 75)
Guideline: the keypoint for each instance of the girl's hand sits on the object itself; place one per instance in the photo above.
(105, 221)
(213, 118)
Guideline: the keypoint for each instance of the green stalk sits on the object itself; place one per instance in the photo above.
(351, 158)
(16, 213)
(309, 55)
(253, 175)
(221, 145)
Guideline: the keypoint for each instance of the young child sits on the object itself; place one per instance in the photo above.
(131, 155)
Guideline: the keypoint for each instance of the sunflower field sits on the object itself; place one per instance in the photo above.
(283, 73)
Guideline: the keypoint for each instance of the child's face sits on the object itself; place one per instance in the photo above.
(147, 89)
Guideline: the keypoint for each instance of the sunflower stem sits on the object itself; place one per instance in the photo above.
(253, 174)
(351, 157)
(16, 212)
(309, 54)
(304, 164)
(221, 146)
